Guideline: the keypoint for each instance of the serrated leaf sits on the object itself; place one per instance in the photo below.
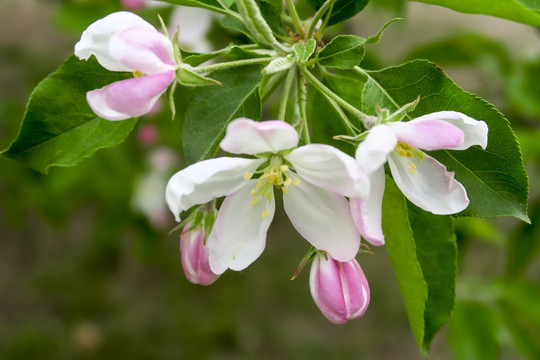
(278, 65)
(211, 109)
(523, 11)
(59, 128)
(304, 51)
(342, 9)
(495, 178)
(343, 52)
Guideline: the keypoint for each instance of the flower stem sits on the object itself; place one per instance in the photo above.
(232, 64)
(295, 18)
(329, 93)
(301, 94)
(286, 91)
(342, 116)
(311, 29)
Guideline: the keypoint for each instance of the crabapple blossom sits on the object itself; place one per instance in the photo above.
(339, 289)
(194, 254)
(314, 180)
(123, 41)
(421, 178)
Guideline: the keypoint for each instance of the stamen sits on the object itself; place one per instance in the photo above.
(254, 201)
(259, 184)
(287, 182)
(247, 175)
(265, 214)
(137, 73)
(284, 168)
(296, 182)
(412, 167)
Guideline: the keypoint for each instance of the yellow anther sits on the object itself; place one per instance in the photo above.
(296, 182)
(259, 184)
(287, 182)
(413, 167)
(253, 192)
(408, 154)
(284, 168)
(247, 175)
(265, 214)
(254, 201)
(137, 73)
(285, 190)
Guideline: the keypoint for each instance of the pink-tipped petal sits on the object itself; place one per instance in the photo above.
(134, 4)
(329, 168)
(95, 39)
(239, 234)
(428, 134)
(367, 212)
(371, 154)
(245, 136)
(207, 180)
(475, 131)
(129, 98)
(144, 50)
(428, 185)
(194, 255)
(339, 289)
(323, 218)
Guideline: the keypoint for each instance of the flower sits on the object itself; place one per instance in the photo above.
(339, 289)
(421, 178)
(313, 178)
(194, 254)
(123, 41)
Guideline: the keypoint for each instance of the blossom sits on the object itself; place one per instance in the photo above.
(339, 289)
(421, 178)
(194, 254)
(313, 178)
(123, 41)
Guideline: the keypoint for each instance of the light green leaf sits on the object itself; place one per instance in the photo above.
(59, 128)
(213, 5)
(495, 178)
(523, 11)
(211, 108)
(343, 52)
(473, 332)
(304, 51)
(187, 77)
(342, 9)
(377, 37)
(238, 53)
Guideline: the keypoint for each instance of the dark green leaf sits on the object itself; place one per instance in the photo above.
(342, 9)
(230, 22)
(343, 52)
(59, 128)
(238, 53)
(214, 5)
(211, 109)
(523, 11)
(473, 332)
(495, 178)
(271, 11)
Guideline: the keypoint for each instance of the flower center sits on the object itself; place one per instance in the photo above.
(137, 73)
(405, 150)
(274, 174)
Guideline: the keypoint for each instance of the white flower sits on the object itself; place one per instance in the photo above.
(421, 178)
(313, 178)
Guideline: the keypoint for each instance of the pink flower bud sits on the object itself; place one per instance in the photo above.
(195, 257)
(133, 4)
(339, 289)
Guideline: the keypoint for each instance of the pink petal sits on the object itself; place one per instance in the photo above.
(195, 257)
(475, 131)
(367, 212)
(428, 134)
(95, 39)
(329, 168)
(142, 49)
(129, 98)
(245, 136)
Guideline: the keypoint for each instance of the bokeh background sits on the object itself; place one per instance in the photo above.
(89, 271)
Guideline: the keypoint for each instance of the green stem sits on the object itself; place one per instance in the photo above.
(363, 72)
(327, 5)
(320, 31)
(342, 116)
(295, 18)
(232, 64)
(301, 93)
(286, 92)
(326, 91)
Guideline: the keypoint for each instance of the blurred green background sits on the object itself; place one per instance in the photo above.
(84, 274)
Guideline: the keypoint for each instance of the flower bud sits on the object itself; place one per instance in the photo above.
(195, 256)
(339, 289)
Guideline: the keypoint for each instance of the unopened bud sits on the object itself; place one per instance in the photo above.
(194, 254)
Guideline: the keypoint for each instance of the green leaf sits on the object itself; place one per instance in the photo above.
(524, 244)
(304, 51)
(187, 77)
(238, 53)
(213, 5)
(59, 128)
(495, 178)
(343, 52)
(423, 253)
(211, 109)
(377, 37)
(523, 11)
(342, 9)
(473, 332)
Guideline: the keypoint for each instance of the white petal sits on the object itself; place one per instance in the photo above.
(206, 180)
(95, 39)
(367, 212)
(239, 234)
(476, 131)
(428, 134)
(372, 152)
(430, 187)
(322, 218)
(192, 25)
(245, 136)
